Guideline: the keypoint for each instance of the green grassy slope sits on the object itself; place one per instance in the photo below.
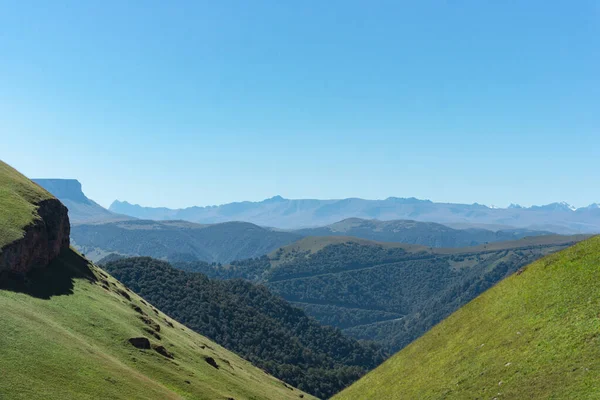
(64, 334)
(535, 335)
(18, 199)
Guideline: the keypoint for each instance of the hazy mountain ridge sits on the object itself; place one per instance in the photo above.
(414, 232)
(306, 213)
(230, 241)
(179, 240)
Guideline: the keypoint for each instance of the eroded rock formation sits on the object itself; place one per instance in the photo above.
(44, 239)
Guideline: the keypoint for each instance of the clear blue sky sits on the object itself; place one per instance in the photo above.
(194, 103)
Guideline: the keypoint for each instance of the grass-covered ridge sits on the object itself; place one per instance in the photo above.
(65, 331)
(18, 199)
(535, 335)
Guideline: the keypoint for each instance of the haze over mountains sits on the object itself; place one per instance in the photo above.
(428, 234)
(179, 240)
(98, 232)
(281, 213)
(294, 214)
(230, 241)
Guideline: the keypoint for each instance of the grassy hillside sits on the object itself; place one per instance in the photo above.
(65, 334)
(18, 199)
(535, 335)
(178, 240)
(251, 321)
(386, 292)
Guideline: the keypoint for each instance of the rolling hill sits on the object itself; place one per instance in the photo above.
(230, 241)
(253, 322)
(428, 234)
(535, 335)
(387, 292)
(81, 209)
(178, 240)
(308, 213)
(70, 330)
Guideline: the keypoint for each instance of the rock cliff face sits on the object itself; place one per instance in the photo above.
(44, 239)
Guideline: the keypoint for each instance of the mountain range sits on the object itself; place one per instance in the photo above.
(308, 213)
(288, 214)
(230, 241)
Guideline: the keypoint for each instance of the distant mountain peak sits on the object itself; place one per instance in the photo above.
(593, 206)
(407, 200)
(274, 199)
(64, 189)
(557, 206)
(515, 206)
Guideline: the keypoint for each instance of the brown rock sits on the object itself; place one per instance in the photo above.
(124, 294)
(42, 242)
(150, 322)
(163, 351)
(140, 342)
(211, 361)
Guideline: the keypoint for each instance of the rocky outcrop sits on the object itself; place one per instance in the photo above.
(44, 239)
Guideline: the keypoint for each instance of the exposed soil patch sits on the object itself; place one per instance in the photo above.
(150, 331)
(124, 294)
(150, 322)
(137, 309)
(211, 361)
(163, 351)
(140, 342)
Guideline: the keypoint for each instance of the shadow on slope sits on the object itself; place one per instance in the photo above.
(54, 280)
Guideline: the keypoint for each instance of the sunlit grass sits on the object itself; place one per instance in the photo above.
(76, 346)
(18, 196)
